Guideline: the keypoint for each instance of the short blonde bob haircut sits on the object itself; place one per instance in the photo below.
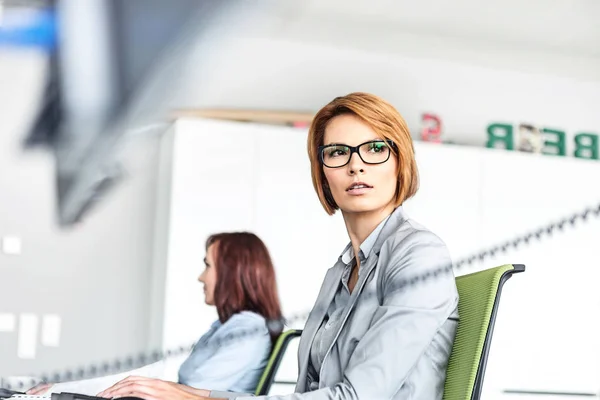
(386, 121)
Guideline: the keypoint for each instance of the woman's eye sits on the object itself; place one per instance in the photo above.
(378, 147)
(337, 152)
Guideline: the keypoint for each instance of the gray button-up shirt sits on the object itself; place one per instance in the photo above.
(326, 333)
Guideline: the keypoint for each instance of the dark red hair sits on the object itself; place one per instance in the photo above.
(245, 278)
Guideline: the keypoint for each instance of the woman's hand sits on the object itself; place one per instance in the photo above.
(39, 389)
(153, 389)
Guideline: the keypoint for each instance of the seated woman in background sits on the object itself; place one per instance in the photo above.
(239, 280)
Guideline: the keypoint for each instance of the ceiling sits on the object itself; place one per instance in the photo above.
(566, 27)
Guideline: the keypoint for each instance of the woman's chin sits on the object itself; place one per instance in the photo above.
(366, 206)
(360, 208)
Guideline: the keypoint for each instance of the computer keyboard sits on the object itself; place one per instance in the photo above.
(13, 395)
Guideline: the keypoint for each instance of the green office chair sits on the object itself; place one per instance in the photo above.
(268, 376)
(478, 305)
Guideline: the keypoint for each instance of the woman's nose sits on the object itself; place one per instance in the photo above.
(356, 164)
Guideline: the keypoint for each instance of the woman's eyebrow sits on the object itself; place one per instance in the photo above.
(375, 139)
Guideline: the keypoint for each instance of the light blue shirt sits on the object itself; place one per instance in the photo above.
(219, 363)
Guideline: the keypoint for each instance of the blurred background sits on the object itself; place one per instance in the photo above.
(130, 130)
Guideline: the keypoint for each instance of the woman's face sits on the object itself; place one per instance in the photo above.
(376, 188)
(209, 275)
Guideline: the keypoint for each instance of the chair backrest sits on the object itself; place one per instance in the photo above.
(268, 376)
(477, 307)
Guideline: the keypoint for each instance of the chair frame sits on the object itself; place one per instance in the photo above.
(478, 384)
(269, 379)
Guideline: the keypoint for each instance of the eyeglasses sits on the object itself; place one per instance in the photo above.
(371, 152)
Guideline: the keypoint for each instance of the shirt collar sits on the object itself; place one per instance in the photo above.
(365, 247)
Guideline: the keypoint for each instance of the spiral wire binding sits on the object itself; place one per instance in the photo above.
(132, 362)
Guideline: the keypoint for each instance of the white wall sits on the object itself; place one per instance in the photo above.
(230, 176)
(96, 276)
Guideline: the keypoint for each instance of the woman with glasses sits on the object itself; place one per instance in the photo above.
(384, 321)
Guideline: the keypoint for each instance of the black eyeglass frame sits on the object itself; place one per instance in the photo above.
(354, 149)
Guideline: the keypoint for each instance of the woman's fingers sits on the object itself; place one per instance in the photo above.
(139, 378)
(151, 389)
(144, 388)
(119, 384)
(39, 389)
